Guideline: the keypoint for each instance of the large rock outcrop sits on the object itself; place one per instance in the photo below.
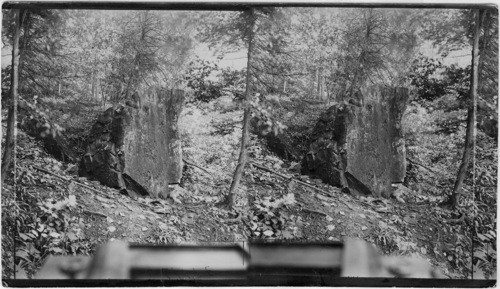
(359, 144)
(136, 146)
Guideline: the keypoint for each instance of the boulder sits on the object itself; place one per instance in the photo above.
(136, 146)
(359, 144)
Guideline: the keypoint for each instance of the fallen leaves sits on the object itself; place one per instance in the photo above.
(176, 192)
(382, 210)
(410, 220)
(163, 210)
(287, 235)
(189, 218)
(382, 225)
(322, 198)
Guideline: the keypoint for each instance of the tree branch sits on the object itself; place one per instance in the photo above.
(69, 180)
(196, 166)
(290, 178)
(421, 165)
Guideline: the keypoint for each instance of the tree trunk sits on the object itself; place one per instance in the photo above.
(93, 85)
(103, 97)
(317, 83)
(10, 139)
(94, 80)
(471, 115)
(319, 79)
(322, 89)
(245, 136)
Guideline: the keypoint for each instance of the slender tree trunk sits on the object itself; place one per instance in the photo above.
(471, 115)
(313, 85)
(132, 77)
(94, 80)
(10, 138)
(318, 79)
(353, 84)
(317, 84)
(245, 136)
(93, 85)
(103, 97)
(322, 89)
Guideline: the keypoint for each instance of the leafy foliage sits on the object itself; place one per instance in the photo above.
(434, 125)
(424, 78)
(41, 228)
(433, 80)
(269, 220)
(449, 29)
(266, 122)
(198, 80)
(101, 55)
(208, 81)
(485, 200)
(40, 43)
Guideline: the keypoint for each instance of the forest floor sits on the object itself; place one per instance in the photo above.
(267, 207)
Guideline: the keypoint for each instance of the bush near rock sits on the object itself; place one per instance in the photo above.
(37, 124)
(137, 147)
(360, 144)
(281, 143)
(297, 117)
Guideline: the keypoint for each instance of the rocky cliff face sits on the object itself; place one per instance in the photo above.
(136, 146)
(360, 144)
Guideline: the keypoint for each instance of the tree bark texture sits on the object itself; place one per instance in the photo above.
(245, 136)
(316, 84)
(10, 139)
(471, 115)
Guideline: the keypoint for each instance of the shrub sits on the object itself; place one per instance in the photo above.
(33, 229)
